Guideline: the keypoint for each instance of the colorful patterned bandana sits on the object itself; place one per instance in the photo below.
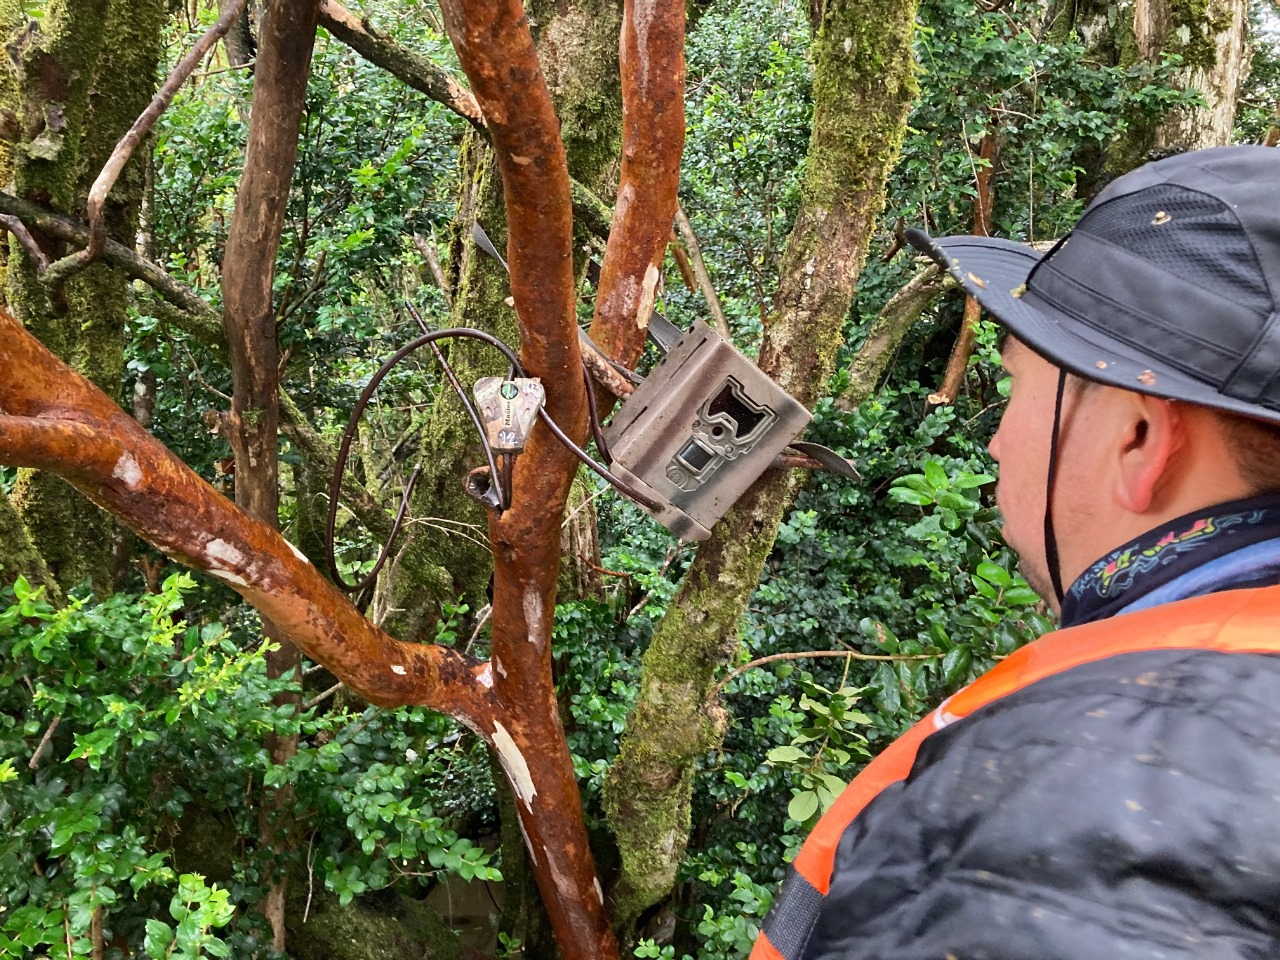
(1229, 546)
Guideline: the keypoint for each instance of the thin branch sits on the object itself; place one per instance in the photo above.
(429, 254)
(203, 321)
(414, 70)
(322, 697)
(810, 654)
(700, 271)
(683, 264)
(70, 265)
(24, 237)
(43, 745)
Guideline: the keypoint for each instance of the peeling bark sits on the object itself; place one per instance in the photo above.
(652, 143)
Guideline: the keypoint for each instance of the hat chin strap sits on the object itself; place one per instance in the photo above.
(1050, 540)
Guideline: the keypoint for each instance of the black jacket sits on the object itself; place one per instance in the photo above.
(1126, 808)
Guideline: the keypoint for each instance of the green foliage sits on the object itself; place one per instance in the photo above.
(159, 727)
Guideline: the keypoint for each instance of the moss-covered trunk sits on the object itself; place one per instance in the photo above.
(85, 74)
(863, 84)
(1209, 37)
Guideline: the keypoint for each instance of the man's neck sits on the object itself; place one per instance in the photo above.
(1185, 556)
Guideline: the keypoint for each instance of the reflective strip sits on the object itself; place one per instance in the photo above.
(788, 929)
(1234, 621)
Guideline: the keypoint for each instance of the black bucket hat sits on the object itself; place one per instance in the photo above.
(1169, 284)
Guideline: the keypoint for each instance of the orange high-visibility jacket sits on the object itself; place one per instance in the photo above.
(1111, 791)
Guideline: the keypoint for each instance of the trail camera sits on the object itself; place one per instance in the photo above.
(704, 424)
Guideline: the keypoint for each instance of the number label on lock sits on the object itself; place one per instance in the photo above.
(508, 408)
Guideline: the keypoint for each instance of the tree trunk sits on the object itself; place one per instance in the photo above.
(1209, 36)
(71, 117)
(863, 84)
(280, 86)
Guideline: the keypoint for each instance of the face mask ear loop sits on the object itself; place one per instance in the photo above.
(1050, 541)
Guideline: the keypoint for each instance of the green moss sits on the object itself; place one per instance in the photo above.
(863, 84)
(384, 926)
(92, 65)
(647, 793)
(19, 556)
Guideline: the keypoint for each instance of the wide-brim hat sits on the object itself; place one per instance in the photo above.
(1168, 285)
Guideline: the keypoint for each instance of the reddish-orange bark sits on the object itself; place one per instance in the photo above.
(652, 57)
(495, 49)
(57, 420)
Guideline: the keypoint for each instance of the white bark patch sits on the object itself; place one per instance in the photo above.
(222, 553)
(648, 293)
(599, 891)
(533, 613)
(485, 677)
(298, 553)
(644, 12)
(564, 883)
(228, 577)
(497, 665)
(398, 669)
(514, 763)
(128, 472)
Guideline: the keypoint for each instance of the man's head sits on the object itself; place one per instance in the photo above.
(1161, 313)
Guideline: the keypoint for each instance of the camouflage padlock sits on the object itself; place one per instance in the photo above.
(508, 408)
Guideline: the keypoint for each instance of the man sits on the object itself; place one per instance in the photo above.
(1112, 791)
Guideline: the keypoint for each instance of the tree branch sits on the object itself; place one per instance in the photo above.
(652, 62)
(496, 50)
(105, 454)
(700, 271)
(886, 333)
(201, 319)
(413, 69)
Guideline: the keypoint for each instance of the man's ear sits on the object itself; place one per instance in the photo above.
(1151, 433)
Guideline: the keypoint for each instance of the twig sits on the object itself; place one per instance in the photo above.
(586, 502)
(605, 570)
(428, 252)
(43, 745)
(24, 237)
(322, 697)
(311, 877)
(700, 271)
(67, 266)
(809, 654)
(485, 614)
